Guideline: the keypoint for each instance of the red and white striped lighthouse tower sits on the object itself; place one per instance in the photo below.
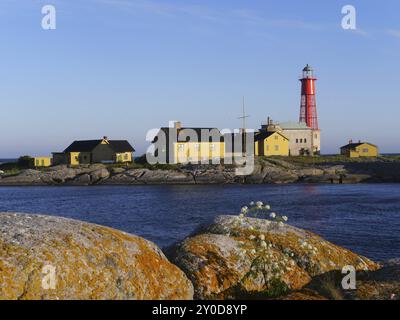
(308, 107)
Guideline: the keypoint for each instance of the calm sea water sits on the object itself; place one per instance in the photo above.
(364, 218)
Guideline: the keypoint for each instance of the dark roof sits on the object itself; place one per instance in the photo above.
(355, 145)
(118, 146)
(83, 146)
(260, 136)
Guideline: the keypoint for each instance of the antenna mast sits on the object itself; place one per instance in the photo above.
(244, 117)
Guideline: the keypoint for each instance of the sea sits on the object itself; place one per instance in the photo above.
(364, 218)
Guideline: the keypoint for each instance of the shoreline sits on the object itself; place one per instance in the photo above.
(323, 170)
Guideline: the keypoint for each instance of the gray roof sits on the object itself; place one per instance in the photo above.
(294, 126)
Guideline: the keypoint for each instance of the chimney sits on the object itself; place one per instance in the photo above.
(350, 141)
(177, 125)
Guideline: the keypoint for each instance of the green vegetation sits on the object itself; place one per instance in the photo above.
(325, 159)
(14, 168)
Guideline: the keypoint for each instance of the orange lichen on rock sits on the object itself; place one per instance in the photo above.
(89, 261)
(223, 260)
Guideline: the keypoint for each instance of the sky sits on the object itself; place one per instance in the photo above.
(119, 68)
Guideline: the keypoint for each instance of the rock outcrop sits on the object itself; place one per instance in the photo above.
(43, 257)
(382, 284)
(266, 170)
(227, 260)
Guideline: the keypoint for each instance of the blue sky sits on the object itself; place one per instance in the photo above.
(119, 68)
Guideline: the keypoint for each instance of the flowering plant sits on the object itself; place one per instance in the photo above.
(263, 265)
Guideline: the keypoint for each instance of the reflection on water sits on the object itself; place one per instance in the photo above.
(364, 218)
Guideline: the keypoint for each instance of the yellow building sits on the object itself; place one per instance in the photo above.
(41, 161)
(194, 152)
(271, 144)
(176, 144)
(360, 149)
(95, 151)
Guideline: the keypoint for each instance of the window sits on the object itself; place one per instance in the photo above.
(37, 162)
(276, 148)
(43, 163)
(305, 140)
(316, 136)
(126, 156)
(181, 147)
(297, 140)
(301, 140)
(365, 150)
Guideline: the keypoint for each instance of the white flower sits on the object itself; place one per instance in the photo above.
(252, 237)
(252, 203)
(259, 204)
(284, 218)
(263, 244)
(280, 224)
(273, 215)
(245, 209)
(262, 237)
(241, 216)
(267, 207)
(253, 251)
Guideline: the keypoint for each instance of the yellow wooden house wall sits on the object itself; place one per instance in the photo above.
(274, 145)
(185, 152)
(123, 157)
(42, 161)
(364, 150)
(76, 158)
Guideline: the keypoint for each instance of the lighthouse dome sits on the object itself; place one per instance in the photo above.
(308, 68)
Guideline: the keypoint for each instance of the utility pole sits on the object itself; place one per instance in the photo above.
(243, 133)
(244, 117)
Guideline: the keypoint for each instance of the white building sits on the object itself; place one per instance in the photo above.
(303, 140)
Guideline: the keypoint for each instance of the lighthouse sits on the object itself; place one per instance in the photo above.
(304, 136)
(308, 105)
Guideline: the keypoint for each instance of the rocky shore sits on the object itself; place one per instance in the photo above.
(267, 170)
(232, 257)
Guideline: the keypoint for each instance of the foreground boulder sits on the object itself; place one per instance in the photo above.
(382, 284)
(88, 262)
(224, 259)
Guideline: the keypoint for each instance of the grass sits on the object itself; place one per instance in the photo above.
(327, 159)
